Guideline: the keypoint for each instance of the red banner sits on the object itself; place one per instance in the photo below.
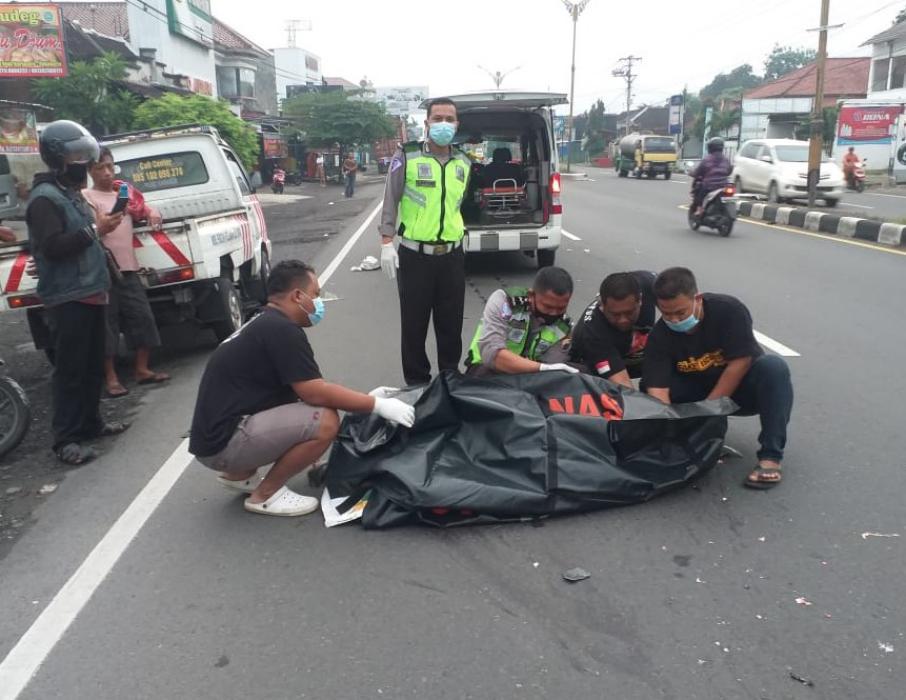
(31, 42)
(870, 124)
(275, 147)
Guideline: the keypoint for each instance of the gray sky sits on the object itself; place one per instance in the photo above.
(681, 41)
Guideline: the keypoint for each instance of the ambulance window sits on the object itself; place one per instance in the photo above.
(236, 171)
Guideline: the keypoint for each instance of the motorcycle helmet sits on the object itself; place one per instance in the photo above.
(64, 141)
(715, 145)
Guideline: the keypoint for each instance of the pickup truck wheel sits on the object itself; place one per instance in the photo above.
(231, 310)
(546, 258)
(15, 415)
(667, 175)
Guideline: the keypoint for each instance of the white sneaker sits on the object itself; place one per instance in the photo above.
(284, 503)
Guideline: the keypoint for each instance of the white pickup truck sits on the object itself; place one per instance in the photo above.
(210, 261)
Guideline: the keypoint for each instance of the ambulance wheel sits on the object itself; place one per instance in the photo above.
(231, 310)
(667, 175)
(546, 258)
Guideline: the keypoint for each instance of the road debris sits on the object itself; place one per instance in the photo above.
(762, 539)
(866, 535)
(535, 564)
(47, 489)
(885, 647)
(368, 264)
(13, 490)
(803, 601)
(576, 574)
(802, 679)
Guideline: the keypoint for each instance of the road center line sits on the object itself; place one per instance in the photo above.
(882, 194)
(33, 647)
(775, 346)
(569, 235)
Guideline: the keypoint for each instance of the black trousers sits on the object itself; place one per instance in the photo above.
(77, 332)
(430, 284)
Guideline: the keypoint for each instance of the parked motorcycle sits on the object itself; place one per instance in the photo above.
(15, 412)
(277, 181)
(855, 177)
(719, 211)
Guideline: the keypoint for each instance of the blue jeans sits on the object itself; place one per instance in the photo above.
(765, 391)
(350, 184)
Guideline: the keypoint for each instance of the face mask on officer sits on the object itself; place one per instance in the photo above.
(549, 307)
(441, 124)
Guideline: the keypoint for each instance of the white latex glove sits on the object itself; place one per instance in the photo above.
(390, 259)
(558, 366)
(395, 411)
(383, 392)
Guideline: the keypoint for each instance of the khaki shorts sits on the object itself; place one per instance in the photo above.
(263, 438)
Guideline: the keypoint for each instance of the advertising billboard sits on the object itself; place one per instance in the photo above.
(31, 41)
(18, 131)
(676, 115)
(858, 125)
(275, 146)
(401, 100)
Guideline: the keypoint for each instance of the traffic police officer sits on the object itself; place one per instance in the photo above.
(425, 189)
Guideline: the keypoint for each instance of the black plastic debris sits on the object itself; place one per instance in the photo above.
(517, 448)
(802, 679)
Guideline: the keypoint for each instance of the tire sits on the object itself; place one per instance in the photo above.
(860, 185)
(255, 288)
(738, 184)
(831, 203)
(15, 414)
(623, 173)
(774, 194)
(231, 308)
(667, 175)
(546, 257)
(726, 228)
(693, 222)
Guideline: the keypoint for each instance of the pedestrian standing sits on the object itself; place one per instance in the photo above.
(349, 171)
(129, 309)
(322, 176)
(73, 281)
(425, 188)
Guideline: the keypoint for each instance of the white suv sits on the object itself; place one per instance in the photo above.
(779, 169)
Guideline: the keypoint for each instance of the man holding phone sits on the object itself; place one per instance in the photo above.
(129, 310)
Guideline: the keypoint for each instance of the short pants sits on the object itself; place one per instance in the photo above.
(130, 311)
(262, 438)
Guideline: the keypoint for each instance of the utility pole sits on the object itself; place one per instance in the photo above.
(816, 130)
(575, 9)
(625, 72)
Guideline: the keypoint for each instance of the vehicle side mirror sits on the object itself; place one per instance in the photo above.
(766, 159)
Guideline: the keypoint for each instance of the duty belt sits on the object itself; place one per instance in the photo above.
(430, 248)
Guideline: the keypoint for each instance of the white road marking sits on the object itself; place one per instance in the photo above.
(775, 346)
(569, 235)
(858, 206)
(881, 194)
(33, 647)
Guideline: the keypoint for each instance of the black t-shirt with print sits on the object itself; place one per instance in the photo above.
(699, 358)
(251, 371)
(606, 350)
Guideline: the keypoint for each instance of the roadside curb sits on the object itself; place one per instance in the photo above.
(573, 176)
(834, 224)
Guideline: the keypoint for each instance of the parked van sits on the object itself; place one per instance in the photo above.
(513, 200)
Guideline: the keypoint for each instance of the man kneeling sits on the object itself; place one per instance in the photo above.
(262, 399)
(524, 330)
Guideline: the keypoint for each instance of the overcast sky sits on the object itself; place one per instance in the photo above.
(681, 42)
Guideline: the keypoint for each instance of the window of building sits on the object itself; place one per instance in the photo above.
(235, 82)
(898, 73)
(879, 75)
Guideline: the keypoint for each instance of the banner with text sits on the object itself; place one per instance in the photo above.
(31, 41)
(18, 131)
(865, 125)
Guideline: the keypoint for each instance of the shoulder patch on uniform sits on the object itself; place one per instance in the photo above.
(506, 311)
(396, 164)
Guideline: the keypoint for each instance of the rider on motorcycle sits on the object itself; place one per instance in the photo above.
(711, 174)
(850, 161)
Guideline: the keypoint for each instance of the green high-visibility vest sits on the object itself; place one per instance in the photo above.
(520, 326)
(430, 207)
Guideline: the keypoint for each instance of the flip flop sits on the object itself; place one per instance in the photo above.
(73, 454)
(245, 485)
(762, 484)
(284, 503)
(118, 392)
(156, 378)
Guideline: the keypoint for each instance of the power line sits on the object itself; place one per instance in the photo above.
(625, 72)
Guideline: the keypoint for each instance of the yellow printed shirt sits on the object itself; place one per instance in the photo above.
(699, 358)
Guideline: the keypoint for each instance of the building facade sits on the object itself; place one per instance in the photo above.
(296, 66)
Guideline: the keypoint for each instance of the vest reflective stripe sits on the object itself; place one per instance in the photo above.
(430, 207)
(519, 330)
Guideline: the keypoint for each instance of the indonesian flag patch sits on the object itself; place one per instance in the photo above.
(603, 367)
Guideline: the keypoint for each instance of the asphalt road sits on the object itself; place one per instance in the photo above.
(711, 592)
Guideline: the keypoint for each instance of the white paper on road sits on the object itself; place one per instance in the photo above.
(333, 517)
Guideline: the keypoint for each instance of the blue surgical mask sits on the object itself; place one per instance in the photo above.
(317, 315)
(442, 133)
(684, 326)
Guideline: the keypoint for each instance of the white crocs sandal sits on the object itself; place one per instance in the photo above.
(246, 485)
(285, 503)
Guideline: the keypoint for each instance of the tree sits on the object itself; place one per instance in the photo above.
(89, 95)
(786, 59)
(739, 79)
(338, 118)
(594, 129)
(173, 110)
(901, 17)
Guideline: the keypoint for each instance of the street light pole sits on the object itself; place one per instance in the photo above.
(574, 9)
(817, 121)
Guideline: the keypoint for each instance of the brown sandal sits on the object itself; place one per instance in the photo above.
(763, 478)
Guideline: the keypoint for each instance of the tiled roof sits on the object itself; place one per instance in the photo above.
(227, 38)
(844, 77)
(108, 18)
(342, 82)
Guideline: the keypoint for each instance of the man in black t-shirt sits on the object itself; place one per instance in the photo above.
(704, 348)
(262, 399)
(610, 338)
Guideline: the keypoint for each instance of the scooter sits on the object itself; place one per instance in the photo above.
(15, 412)
(278, 181)
(855, 178)
(719, 211)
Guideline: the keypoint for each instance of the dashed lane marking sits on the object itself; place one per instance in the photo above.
(569, 235)
(775, 346)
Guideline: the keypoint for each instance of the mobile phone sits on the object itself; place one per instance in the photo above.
(122, 199)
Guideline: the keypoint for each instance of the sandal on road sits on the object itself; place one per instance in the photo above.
(117, 391)
(284, 503)
(243, 485)
(73, 454)
(763, 478)
(154, 378)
